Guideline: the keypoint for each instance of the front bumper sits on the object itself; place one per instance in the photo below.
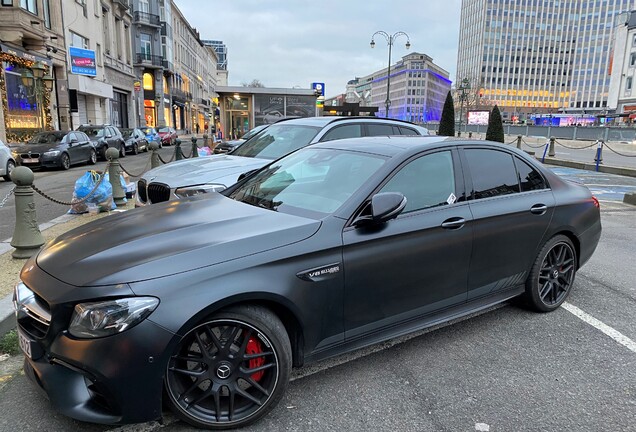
(112, 380)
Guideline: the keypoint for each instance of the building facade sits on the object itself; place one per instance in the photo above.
(418, 89)
(531, 56)
(622, 89)
(31, 32)
(221, 66)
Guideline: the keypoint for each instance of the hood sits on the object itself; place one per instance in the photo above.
(168, 238)
(201, 170)
(34, 148)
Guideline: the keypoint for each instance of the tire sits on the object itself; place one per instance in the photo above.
(9, 167)
(247, 389)
(103, 152)
(92, 159)
(160, 144)
(65, 161)
(135, 149)
(122, 150)
(552, 275)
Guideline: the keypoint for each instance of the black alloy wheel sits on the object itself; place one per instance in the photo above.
(10, 166)
(103, 152)
(135, 149)
(122, 150)
(65, 161)
(92, 159)
(230, 370)
(552, 275)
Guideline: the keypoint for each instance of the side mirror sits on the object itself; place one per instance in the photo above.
(382, 208)
(74, 141)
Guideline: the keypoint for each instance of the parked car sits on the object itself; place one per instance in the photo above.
(227, 146)
(334, 247)
(135, 140)
(208, 174)
(105, 137)
(152, 135)
(168, 135)
(7, 162)
(56, 149)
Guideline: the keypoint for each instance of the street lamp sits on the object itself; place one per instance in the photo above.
(463, 88)
(40, 84)
(389, 40)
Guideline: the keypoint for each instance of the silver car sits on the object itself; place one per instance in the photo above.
(7, 162)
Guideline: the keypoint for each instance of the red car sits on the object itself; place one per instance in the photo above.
(168, 135)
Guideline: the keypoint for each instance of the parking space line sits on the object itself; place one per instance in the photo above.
(609, 331)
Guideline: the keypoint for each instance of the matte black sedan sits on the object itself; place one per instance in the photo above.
(135, 140)
(209, 301)
(56, 149)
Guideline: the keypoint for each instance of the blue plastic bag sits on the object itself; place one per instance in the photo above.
(102, 197)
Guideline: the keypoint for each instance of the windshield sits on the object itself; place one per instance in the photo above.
(253, 132)
(93, 132)
(148, 131)
(276, 141)
(47, 138)
(164, 130)
(309, 182)
(126, 132)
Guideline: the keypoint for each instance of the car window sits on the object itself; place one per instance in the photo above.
(47, 138)
(407, 131)
(493, 173)
(277, 141)
(82, 136)
(529, 178)
(381, 130)
(428, 181)
(344, 131)
(69, 137)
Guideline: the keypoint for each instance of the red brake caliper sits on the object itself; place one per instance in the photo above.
(254, 347)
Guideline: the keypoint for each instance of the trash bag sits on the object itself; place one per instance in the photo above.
(102, 197)
(204, 151)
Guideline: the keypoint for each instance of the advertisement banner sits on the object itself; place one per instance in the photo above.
(82, 61)
(478, 117)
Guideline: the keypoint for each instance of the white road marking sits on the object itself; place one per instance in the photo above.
(609, 331)
(482, 427)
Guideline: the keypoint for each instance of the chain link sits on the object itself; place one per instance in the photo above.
(576, 148)
(535, 146)
(65, 203)
(4, 200)
(183, 154)
(142, 171)
(619, 153)
(170, 160)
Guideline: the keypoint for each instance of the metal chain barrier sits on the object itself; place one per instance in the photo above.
(184, 156)
(170, 160)
(4, 200)
(65, 203)
(533, 146)
(514, 141)
(576, 148)
(134, 175)
(613, 151)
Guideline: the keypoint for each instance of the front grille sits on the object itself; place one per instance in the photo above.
(158, 192)
(30, 155)
(141, 190)
(35, 317)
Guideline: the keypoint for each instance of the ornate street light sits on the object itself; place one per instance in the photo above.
(464, 88)
(389, 41)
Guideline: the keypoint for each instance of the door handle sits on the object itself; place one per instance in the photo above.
(538, 209)
(453, 223)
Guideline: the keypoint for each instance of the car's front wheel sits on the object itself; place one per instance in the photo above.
(65, 161)
(9, 168)
(229, 370)
(135, 149)
(92, 159)
(552, 275)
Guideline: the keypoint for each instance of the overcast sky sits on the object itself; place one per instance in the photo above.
(287, 43)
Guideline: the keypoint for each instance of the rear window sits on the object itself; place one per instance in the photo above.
(493, 173)
(277, 141)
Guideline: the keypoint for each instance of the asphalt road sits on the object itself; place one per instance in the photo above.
(507, 369)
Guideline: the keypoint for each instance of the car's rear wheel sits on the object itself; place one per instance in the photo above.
(229, 370)
(92, 159)
(103, 152)
(552, 275)
(122, 150)
(135, 149)
(65, 161)
(10, 166)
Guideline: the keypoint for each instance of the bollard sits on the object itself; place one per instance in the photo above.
(545, 150)
(154, 155)
(519, 138)
(119, 195)
(195, 148)
(27, 237)
(551, 152)
(178, 155)
(599, 154)
(470, 134)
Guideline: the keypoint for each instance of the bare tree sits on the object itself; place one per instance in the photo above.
(254, 83)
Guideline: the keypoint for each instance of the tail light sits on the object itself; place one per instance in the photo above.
(596, 203)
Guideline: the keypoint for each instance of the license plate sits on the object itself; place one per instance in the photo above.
(30, 160)
(25, 344)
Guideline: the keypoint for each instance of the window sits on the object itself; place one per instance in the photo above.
(428, 181)
(98, 54)
(83, 4)
(149, 82)
(407, 131)
(632, 59)
(346, 131)
(78, 41)
(529, 178)
(628, 86)
(46, 10)
(7, 2)
(380, 130)
(144, 6)
(493, 173)
(29, 5)
(146, 46)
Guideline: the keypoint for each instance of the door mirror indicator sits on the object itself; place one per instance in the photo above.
(382, 208)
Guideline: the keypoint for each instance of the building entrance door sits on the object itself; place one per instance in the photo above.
(240, 124)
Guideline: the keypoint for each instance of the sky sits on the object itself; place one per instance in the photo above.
(293, 43)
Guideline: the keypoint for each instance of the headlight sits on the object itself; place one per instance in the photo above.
(189, 191)
(52, 153)
(99, 319)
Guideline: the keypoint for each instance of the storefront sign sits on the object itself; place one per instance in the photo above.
(137, 85)
(82, 61)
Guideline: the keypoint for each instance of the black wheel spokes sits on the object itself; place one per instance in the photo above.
(195, 378)
(556, 274)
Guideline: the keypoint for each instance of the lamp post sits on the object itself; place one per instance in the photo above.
(389, 40)
(463, 88)
(40, 83)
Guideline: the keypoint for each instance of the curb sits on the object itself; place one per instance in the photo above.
(628, 172)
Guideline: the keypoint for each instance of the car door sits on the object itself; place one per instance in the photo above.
(416, 263)
(511, 215)
(111, 138)
(84, 144)
(73, 147)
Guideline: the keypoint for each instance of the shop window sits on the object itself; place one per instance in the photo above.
(149, 82)
(165, 85)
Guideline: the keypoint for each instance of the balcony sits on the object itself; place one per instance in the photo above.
(179, 94)
(168, 66)
(123, 3)
(148, 60)
(118, 65)
(146, 18)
